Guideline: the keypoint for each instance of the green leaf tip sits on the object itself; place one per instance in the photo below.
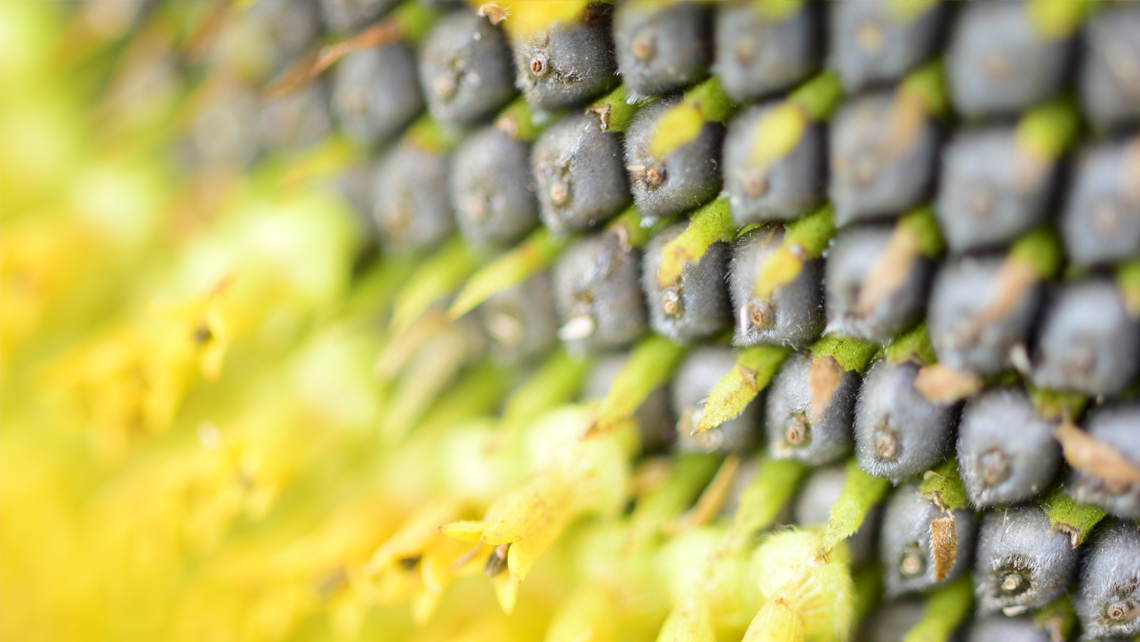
(774, 485)
(530, 257)
(819, 96)
(945, 610)
(650, 365)
(922, 223)
(1041, 249)
(812, 233)
(927, 86)
(435, 279)
(753, 371)
(1068, 517)
(853, 355)
(860, 493)
(913, 345)
(708, 225)
(614, 111)
(943, 486)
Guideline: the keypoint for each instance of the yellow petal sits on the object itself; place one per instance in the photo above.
(424, 605)
(466, 530)
(689, 622)
(417, 532)
(518, 513)
(506, 591)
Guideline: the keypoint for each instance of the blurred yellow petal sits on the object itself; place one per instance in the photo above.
(466, 530)
(506, 591)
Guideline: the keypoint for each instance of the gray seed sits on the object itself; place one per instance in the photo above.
(491, 189)
(998, 63)
(1108, 595)
(683, 180)
(412, 210)
(568, 63)
(1118, 426)
(1022, 563)
(793, 316)
(850, 263)
(870, 43)
(1101, 219)
(662, 46)
(756, 56)
(349, 16)
(898, 433)
(597, 293)
(991, 192)
(1006, 451)
(876, 172)
(521, 320)
(579, 173)
(376, 93)
(698, 306)
(962, 290)
(905, 548)
(1088, 342)
(785, 189)
(792, 434)
(465, 69)
(1110, 73)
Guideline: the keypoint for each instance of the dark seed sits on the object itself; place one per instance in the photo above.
(376, 93)
(1108, 595)
(905, 542)
(491, 189)
(792, 432)
(1000, 465)
(521, 320)
(567, 63)
(784, 189)
(597, 292)
(1022, 562)
(793, 315)
(465, 68)
(757, 55)
(579, 173)
(697, 306)
(898, 433)
(1088, 343)
(412, 209)
(686, 178)
(662, 46)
